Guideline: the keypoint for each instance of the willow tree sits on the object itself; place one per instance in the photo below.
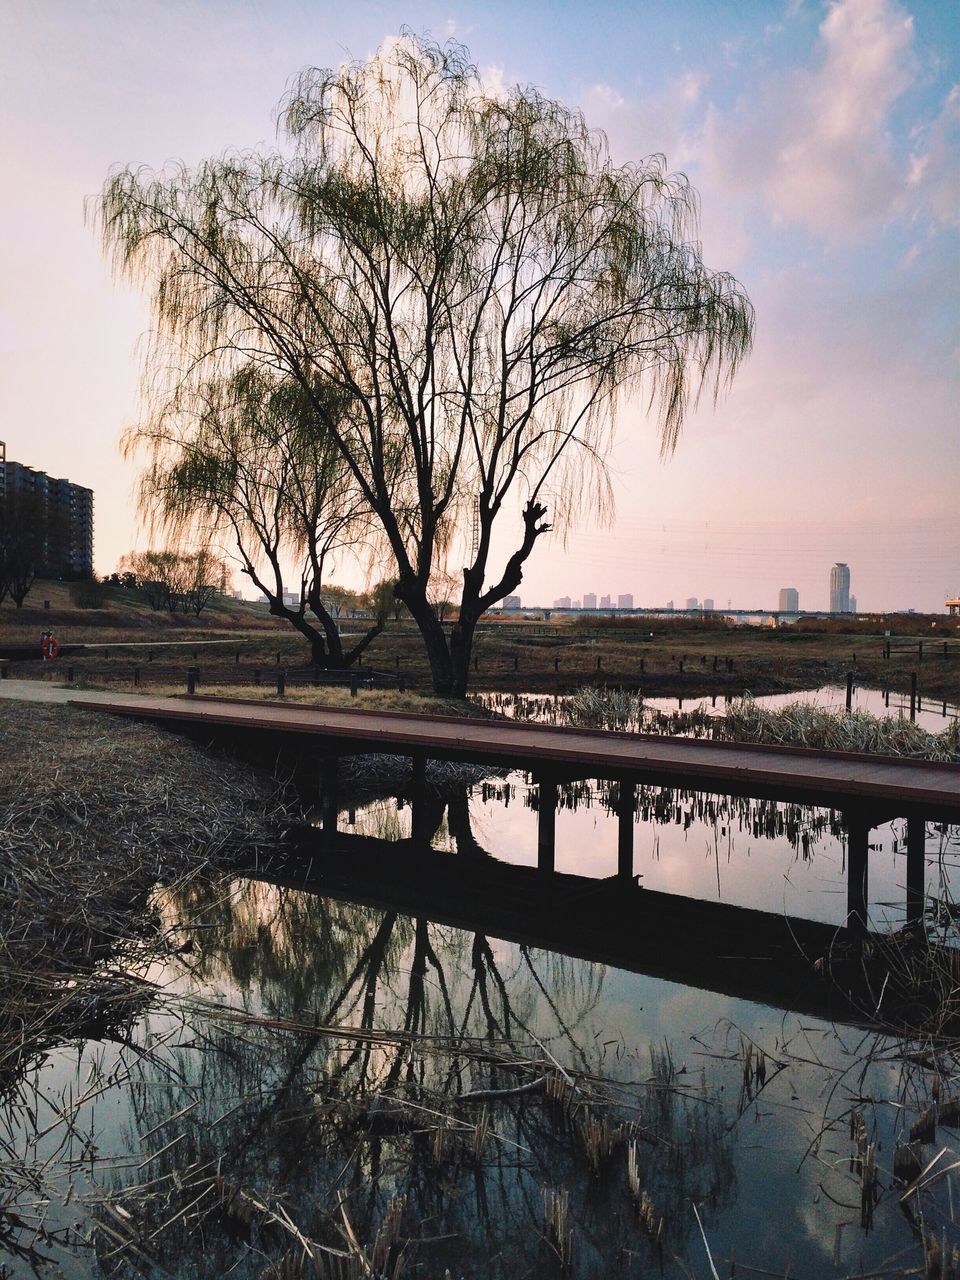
(473, 279)
(244, 457)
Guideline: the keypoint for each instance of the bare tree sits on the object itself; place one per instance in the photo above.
(24, 530)
(155, 575)
(247, 457)
(462, 284)
(205, 578)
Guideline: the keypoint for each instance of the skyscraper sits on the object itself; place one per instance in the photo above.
(840, 588)
(789, 601)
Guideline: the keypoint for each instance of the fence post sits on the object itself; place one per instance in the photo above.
(353, 686)
(136, 677)
(849, 690)
(913, 695)
(281, 683)
(256, 676)
(191, 680)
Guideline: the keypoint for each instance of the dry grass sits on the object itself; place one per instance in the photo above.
(805, 725)
(800, 724)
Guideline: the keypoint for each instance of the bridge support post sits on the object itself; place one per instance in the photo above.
(858, 837)
(916, 842)
(328, 797)
(546, 824)
(625, 811)
(418, 795)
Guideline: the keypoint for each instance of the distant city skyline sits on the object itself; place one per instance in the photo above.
(822, 139)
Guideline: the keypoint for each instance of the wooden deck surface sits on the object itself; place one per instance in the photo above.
(900, 787)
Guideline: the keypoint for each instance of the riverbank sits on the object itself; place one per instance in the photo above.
(96, 813)
(662, 659)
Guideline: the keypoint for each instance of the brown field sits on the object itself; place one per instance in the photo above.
(231, 642)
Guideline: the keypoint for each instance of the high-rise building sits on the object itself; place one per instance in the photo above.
(65, 511)
(692, 603)
(840, 588)
(589, 600)
(511, 602)
(789, 600)
(606, 602)
(707, 605)
(625, 601)
(562, 603)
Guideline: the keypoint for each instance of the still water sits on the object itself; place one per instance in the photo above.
(289, 1085)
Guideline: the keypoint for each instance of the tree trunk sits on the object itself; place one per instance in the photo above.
(434, 639)
(461, 649)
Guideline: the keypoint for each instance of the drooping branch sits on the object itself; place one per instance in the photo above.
(458, 290)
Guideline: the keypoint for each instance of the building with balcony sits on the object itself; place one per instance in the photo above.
(63, 512)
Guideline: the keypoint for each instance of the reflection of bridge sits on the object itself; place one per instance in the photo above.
(750, 955)
(867, 790)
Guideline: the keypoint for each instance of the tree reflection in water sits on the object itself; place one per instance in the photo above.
(322, 1089)
(460, 1085)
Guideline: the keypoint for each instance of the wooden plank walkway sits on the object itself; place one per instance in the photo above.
(885, 787)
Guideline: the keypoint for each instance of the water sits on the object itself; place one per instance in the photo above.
(934, 715)
(511, 1110)
(222, 1105)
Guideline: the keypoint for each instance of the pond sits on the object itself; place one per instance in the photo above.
(296, 1084)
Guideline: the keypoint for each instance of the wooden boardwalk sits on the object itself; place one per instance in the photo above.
(868, 790)
(839, 780)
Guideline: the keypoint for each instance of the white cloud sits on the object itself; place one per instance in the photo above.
(935, 170)
(817, 142)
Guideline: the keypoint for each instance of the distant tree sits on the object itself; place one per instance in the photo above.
(23, 544)
(382, 601)
(205, 577)
(154, 573)
(442, 593)
(461, 285)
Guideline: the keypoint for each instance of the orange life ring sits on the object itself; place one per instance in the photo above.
(51, 648)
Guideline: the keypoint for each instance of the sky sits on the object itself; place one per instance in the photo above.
(823, 139)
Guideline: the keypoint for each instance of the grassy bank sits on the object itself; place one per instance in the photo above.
(235, 645)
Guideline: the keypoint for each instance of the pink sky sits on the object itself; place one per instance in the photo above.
(823, 139)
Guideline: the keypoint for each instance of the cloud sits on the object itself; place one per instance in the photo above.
(817, 142)
(935, 169)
